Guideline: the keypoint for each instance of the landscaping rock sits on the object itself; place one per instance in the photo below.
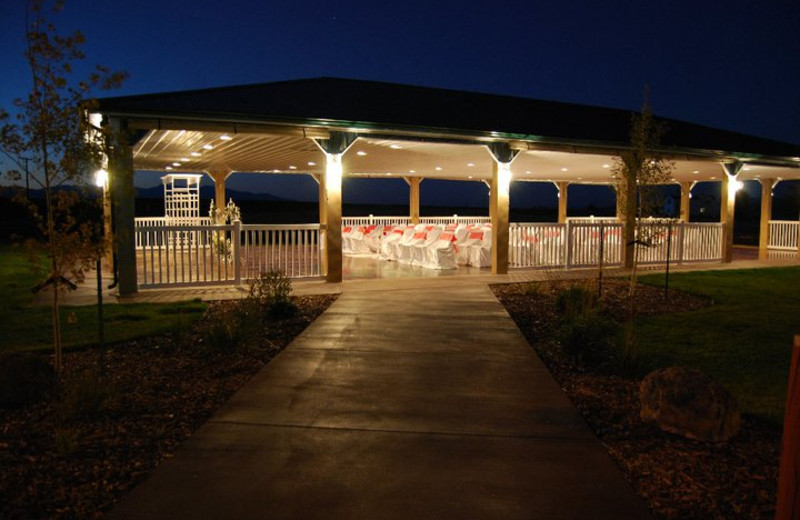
(689, 403)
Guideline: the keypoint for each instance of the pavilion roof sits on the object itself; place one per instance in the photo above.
(376, 106)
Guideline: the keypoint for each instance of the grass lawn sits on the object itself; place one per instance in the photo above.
(25, 327)
(744, 340)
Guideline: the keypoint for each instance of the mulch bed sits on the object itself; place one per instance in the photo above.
(678, 478)
(161, 389)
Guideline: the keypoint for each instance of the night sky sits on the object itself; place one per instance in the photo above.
(731, 65)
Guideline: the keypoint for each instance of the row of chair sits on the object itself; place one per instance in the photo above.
(429, 246)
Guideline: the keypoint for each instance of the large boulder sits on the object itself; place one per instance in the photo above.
(688, 402)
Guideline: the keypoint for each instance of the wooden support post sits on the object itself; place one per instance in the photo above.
(563, 187)
(501, 182)
(124, 200)
(413, 203)
(766, 215)
(788, 507)
(333, 217)
(686, 201)
(219, 177)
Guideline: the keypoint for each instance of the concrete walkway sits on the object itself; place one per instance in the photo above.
(404, 400)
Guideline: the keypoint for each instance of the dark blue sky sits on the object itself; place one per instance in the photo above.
(732, 65)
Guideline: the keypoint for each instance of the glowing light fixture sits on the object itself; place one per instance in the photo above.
(736, 185)
(168, 168)
(292, 167)
(395, 146)
(528, 172)
(469, 177)
(503, 179)
(696, 171)
(438, 168)
(176, 164)
(470, 165)
(412, 171)
(101, 178)
(312, 163)
(564, 169)
(606, 166)
(184, 159)
(208, 147)
(195, 154)
(225, 137)
(362, 154)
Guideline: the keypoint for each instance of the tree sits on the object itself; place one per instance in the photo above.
(50, 129)
(637, 172)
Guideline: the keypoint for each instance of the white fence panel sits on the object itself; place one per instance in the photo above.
(584, 244)
(701, 242)
(185, 255)
(783, 234)
(292, 249)
(534, 244)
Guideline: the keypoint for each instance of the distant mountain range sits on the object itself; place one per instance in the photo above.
(207, 192)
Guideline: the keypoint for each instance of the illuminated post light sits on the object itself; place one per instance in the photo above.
(101, 178)
(503, 178)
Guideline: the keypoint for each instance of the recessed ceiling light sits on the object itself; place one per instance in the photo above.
(713, 177)
(564, 169)
(292, 167)
(184, 159)
(696, 171)
(395, 146)
(312, 163)
(580, 178)
(438, 168)
(469, 177)
(362, 154)
(528, 172)
(387, 173)
(225, 137)
(606, 166)
(176, 164)
(412, 171)
(469, 164)
(168, 168)
(195, 154)
(208, 147)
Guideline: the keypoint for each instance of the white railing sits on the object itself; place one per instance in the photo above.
(292, 249)
(783, 234)
(536, 244)
(455, 219)
(579, 244)
(187, 255)
(149, 222)
(371, 220)
(201, 255)
(586, 241)
(590, 220)
(700, 242)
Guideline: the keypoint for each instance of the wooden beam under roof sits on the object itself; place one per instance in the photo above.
(226, 127)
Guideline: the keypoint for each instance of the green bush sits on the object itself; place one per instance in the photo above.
(25, 379)
(87, 396)
(591, 341)
(223, 334)
(575, 302)
(272, 293)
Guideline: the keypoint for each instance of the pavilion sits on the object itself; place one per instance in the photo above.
(330, 128)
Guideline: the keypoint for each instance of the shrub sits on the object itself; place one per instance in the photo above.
(576, 301)
(591, 340)
(222, 335)
(25, 379)
(272, 293)
(66, 440)
(87, 396)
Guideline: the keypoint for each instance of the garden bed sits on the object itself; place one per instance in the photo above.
(76, 456)
(677, 478)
